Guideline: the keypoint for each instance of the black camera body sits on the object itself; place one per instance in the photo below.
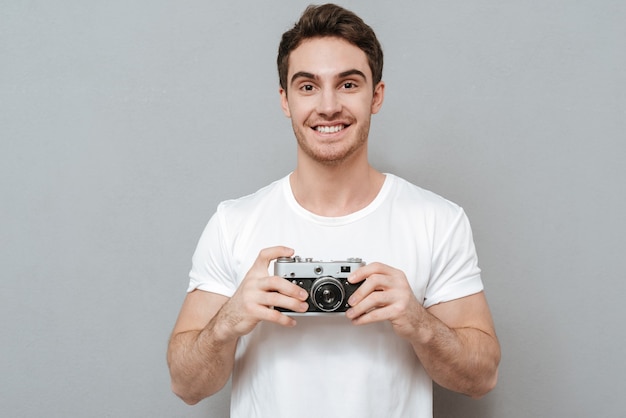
(325, 282)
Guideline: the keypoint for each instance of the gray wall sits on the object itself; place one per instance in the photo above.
(123, 124)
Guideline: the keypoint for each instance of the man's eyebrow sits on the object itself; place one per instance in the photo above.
(302, 74)
(310, 76)
(351, 73)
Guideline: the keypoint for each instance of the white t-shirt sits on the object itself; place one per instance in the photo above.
(325, 366)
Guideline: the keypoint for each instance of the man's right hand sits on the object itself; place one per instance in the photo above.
(256, 296)
(201, 352)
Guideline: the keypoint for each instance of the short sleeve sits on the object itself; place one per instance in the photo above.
(455, 272)
(211, 270)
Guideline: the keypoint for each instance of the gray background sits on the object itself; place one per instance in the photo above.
(123, 124)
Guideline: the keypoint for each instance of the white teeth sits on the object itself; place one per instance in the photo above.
(329, 129)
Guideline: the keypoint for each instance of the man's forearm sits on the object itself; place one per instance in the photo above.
(200, 363)
(464, 360)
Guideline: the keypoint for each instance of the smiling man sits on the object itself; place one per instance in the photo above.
(331, 108)
(419, 313)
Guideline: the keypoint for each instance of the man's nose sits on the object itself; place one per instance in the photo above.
(329, 103)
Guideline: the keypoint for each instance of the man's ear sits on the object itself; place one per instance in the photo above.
(284, 103)
(379, 97)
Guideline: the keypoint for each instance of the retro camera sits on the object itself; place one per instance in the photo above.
(325, 282)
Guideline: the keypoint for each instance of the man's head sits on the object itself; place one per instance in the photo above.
(330, 20)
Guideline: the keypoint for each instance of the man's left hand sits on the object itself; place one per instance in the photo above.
(385, 295)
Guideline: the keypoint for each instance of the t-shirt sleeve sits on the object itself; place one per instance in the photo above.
(211, 270)
(455, 272)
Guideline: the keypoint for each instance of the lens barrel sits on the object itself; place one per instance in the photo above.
(327, 294)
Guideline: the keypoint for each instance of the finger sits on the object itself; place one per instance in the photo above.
(266, 255)
(277, 300)
(375, 282)
(265, 314)
(373, 301)
(283, 286)
(364, 272)
(277, 317)
(371, 316)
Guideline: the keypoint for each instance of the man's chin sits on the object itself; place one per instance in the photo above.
(330, 158)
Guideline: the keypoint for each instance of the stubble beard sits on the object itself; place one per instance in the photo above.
(335, 153)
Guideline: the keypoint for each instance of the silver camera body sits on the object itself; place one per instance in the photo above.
(325, 282)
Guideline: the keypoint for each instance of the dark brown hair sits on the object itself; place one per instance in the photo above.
(330, 20)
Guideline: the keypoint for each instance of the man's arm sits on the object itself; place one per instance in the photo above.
(200, 356)
(461, 350)
(455, 341)
(201, 351)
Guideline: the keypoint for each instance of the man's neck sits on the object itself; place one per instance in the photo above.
(335, 190)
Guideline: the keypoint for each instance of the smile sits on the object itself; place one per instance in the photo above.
(329, 129)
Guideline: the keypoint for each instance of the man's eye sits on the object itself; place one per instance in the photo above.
(349, 85)
(307, 87)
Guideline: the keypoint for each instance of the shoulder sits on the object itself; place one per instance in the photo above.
(253, 206)
(266, 194)
(407, 194)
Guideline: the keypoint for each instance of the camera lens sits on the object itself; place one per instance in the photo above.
(327, 294)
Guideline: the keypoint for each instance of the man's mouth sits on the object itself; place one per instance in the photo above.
(330, 129)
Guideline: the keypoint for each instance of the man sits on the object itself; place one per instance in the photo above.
(420, 313)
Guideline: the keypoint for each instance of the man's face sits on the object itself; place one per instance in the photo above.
(330, 99)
